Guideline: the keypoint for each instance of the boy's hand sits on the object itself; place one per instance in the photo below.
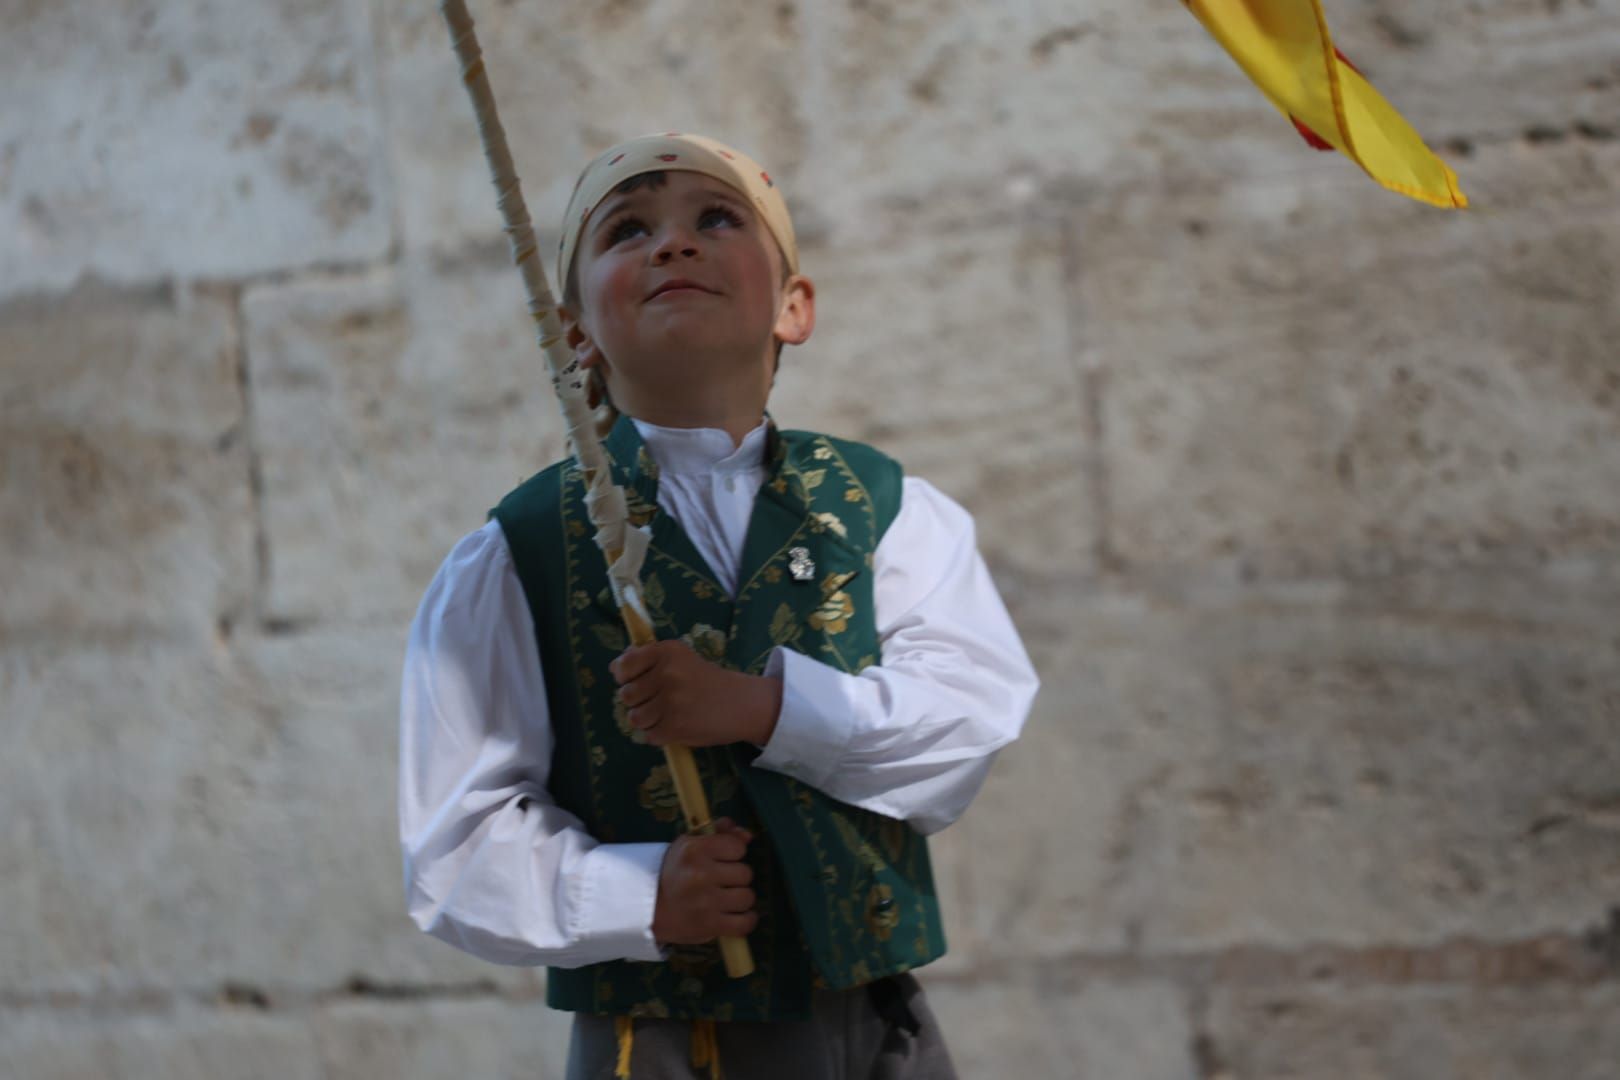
(703, 888)
(677, 697)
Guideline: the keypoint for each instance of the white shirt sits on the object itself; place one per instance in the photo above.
(496, 868)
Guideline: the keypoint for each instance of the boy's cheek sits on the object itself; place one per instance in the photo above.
(617, 284)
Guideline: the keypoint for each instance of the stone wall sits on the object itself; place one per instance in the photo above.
(1303, 496)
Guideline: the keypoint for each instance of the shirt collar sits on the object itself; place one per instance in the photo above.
(702, 451)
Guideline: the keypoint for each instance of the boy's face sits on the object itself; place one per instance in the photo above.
(678, 279)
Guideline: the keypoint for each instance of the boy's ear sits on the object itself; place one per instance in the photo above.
(589, 356)
(579, 339)
(573, 333)
(797, 316)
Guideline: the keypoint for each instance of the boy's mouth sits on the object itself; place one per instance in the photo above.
(678, 285)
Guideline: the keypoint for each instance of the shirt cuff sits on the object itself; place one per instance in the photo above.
(817, 721)
(618, 890)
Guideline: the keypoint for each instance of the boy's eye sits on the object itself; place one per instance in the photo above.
(718, 215)
(624, 229)
(711, 217)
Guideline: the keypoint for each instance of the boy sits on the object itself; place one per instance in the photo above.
(830, 645)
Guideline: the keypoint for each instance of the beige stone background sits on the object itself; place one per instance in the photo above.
(1307, 499)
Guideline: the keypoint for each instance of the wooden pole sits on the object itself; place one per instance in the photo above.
(622, 545)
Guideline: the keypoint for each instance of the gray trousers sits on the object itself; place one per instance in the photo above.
(846, 1038)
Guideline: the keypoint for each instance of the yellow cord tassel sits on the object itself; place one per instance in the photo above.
(626, 1031)
(705, 1048)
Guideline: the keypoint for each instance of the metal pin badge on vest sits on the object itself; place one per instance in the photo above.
(801, 565)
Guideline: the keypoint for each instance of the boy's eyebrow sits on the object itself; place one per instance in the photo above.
(736, 200)
(722, 193)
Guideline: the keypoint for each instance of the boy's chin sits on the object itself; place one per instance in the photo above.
(701, 345)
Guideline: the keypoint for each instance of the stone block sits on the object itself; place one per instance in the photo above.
(195, 139)
(1296, 384)
(212, 818)
(497, 1038)
(184, 1043)
(571, 79)
(949, 352)
(392, 411)
(950, 112)
(1446, 65)
(1404, 764)
(1028, 1024)
(125, 498)
(1417, 1033)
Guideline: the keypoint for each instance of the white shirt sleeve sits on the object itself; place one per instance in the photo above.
(912, 738)
(492, 865)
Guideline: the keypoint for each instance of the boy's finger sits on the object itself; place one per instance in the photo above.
(633, 663)
(726, 847)
(637, 693)
(725, 824)
(731, 875)
(735, 901)
(645, 716)
(736, 925)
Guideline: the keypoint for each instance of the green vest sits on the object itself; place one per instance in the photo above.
(845, 895)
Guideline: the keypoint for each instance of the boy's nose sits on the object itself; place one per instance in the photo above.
(664, 254)
(673, 242)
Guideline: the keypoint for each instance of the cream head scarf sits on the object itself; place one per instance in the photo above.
(674, 153)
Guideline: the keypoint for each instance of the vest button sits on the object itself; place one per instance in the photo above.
(883, 905)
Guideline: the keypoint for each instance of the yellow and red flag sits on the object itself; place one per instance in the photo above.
(1284, 46)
